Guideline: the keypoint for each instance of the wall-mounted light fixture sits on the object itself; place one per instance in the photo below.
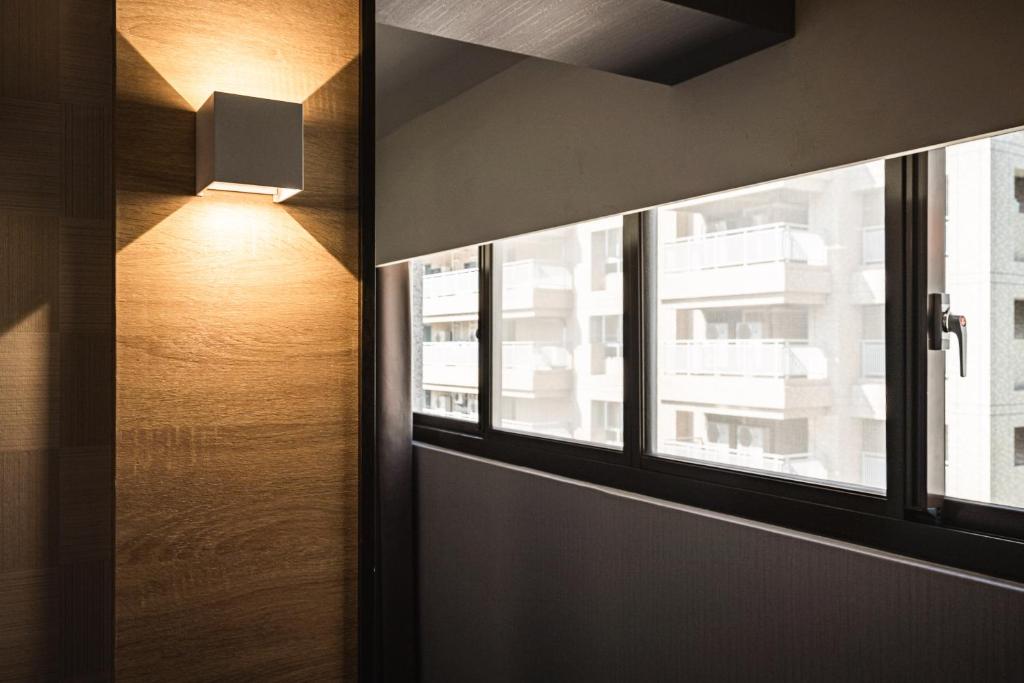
(249, 144)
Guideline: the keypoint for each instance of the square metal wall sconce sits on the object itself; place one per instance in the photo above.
(249, 144)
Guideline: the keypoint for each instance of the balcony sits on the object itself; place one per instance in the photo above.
(451, 295)
(604, 382)
(867, 397)
(872, 358)
(605, 295)
(867, 284)
(528, 368)
(552, 428)
(450, 366)
(535, 288)
(745, 358)
(873, 469)
(534, 369)
(873, 245)
(752, 374)
(800, 464)
(765, 264)
(530, 288)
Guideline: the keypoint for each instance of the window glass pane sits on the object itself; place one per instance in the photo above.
(558, 333)
(985, 281)
(771, 328)
(445, 313)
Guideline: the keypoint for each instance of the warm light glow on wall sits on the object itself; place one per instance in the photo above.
(29, 367)
(280, 51)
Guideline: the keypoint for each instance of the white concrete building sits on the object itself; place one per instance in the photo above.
(985, 279)
(558, 333)
(772, 325)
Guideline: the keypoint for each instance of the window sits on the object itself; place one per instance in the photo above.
(606, 345)
(445, 303)
(558, 333)
(763, 318)
(606, 258)
(606, 421)
(1018, 189)
(984, 282)
(754, 352)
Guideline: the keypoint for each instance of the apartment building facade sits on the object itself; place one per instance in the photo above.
(770, 327)
(984, 264)
(558, 333)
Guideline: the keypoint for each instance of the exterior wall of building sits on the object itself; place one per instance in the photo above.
(771, 327)
(558, 339)
(985, 276)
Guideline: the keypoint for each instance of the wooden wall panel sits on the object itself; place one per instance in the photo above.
(56, 339)
(237, 354)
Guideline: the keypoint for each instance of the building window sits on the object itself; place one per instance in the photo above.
(547, 318)
(445, 303)
(1018, 446)
(748, 321)
(606, 422)
(606, 256)
(605, 344)
(1018, 189)
(1018, 319)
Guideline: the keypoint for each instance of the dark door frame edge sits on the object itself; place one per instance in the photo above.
(367, 585)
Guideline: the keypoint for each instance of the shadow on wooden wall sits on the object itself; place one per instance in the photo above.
(237, 362)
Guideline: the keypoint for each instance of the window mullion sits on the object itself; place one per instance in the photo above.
(485, 337)
(633, 362)
(899, 338)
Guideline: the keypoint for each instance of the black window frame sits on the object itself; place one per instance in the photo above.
(911, 518)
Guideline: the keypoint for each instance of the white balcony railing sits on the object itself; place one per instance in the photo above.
(535, 356)
(450, 353)
(451, 364)
(450, 283)
(723, 455)
(873, 245)
(872, 469)
(549, 428)
(456, 292)
(774, 242)
(451, 293)
(535, 274)
(529, 355)
(745, 358)
(872, 358)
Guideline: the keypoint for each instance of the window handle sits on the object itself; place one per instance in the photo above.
(957, 324)
(944, 323)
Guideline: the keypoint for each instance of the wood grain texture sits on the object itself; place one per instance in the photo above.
(30, 154)
(56, 339)
(29, 634)
(30, 50)
(665, 42)
(237, 354)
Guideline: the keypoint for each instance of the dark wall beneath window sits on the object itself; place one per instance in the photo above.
(56, 339)
(528, 577)
(544, 144)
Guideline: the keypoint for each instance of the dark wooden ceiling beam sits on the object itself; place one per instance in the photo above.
(666, 41)
(778, 16)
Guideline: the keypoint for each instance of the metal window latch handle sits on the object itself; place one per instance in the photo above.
(944, 323)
